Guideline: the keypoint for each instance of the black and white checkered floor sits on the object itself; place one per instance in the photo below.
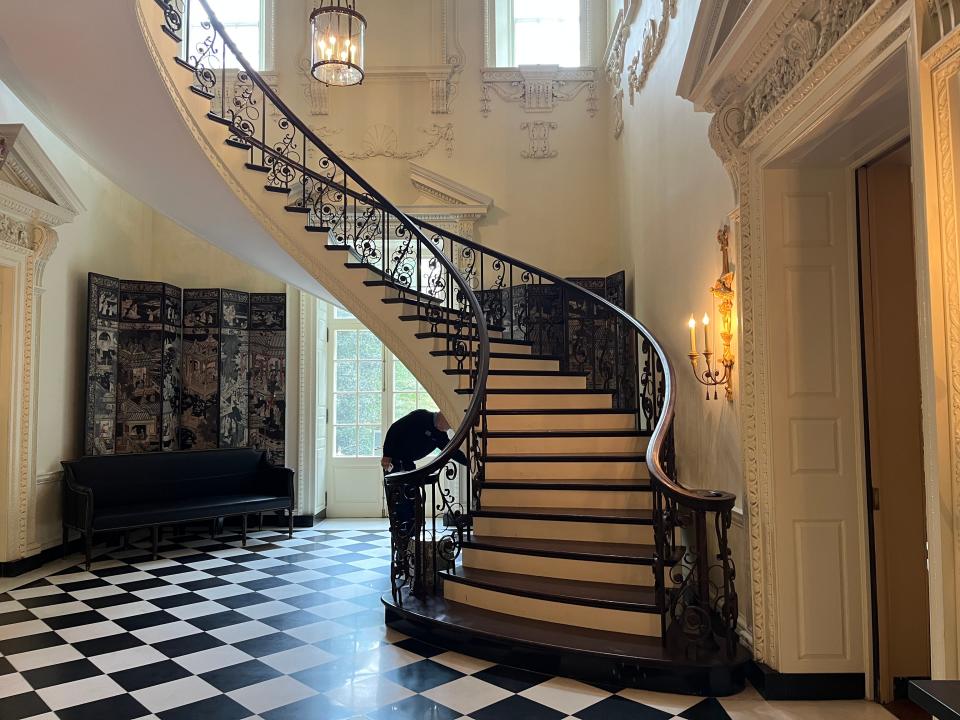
(282, 629)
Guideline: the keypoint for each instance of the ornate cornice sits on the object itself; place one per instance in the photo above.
(654, 36)
(538, 88)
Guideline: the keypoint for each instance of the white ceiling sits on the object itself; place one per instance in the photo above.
(84, 69)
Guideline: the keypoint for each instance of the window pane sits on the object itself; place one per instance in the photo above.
(425, 402)
(370, 347)
(235, 11)
(371, 375)
(346, 376)
(547, 32)
(346, 345)
(403, 379)
(403, 404)
(341, 314)
(247, 39)
(345, 409)
(345, 441)
(370, 409)
(369, 442)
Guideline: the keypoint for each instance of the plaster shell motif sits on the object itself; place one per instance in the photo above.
(807, 53)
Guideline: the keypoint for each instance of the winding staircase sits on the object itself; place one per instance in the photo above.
(566, 544)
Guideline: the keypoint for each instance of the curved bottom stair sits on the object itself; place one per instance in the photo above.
(611, 659)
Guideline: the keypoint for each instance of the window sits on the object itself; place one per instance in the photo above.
(536, 32)
(546, 32)
(358, 394)
(245, 22)
(365, 403)
(408, 394)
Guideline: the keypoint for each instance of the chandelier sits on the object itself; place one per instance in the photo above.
(337, 33)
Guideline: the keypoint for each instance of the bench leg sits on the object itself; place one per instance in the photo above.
(88, 547)
(260, 522)
(213, 528)
(290, 527)
(243, 529)
(125, 540)
(154, 540)
(66, 539)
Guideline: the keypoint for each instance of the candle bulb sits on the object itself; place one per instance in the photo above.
(693, 335)
(706, 333)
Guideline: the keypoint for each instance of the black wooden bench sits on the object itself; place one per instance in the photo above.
(124, 492)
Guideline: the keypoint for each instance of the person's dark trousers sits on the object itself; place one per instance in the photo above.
(406, 510)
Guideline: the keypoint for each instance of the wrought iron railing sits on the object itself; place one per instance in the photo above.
(457, 289)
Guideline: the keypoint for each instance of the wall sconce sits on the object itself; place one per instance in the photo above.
(722, 290)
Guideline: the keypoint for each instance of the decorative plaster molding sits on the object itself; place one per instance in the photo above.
(615, 55)
(618, 113)
(794, 56)
(538, 134)
(450, 204)
(29, 169)
(538, 88)
(382, 141)
(944, 75)
(654, 36)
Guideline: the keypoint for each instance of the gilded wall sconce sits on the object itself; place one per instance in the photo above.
(722, 290)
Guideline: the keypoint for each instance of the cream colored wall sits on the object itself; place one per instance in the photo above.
(566, 224)
(116, 235)
(673, 196)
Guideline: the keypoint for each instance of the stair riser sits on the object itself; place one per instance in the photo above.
(549, 402)
(623, 621)
(528, 382)
(524, 364)
(442, 326)
(547, 470)
(442, 344)
(573, 499)
(563, 530)
(565, 445)
(538, 566)
(533, 423)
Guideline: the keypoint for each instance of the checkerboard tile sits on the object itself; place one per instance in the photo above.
(280, 629)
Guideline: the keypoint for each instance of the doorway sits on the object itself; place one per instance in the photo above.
(893, 423)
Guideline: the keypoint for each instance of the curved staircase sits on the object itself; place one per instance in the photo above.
(566, 544)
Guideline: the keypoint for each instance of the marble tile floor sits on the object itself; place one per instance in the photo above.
(284, 629)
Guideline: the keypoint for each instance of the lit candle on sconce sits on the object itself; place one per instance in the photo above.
(693, 335)
(706, 333)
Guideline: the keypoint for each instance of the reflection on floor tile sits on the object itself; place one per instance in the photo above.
(281, 630)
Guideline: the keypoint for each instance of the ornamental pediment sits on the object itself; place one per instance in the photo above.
(31, 187)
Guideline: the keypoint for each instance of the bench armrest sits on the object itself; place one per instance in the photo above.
(278, 481)
(77, 502)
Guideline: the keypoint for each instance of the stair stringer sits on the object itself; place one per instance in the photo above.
(287, 229)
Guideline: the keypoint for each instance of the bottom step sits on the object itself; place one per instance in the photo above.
(592, 656)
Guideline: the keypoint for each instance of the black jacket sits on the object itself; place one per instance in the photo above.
(414, 436)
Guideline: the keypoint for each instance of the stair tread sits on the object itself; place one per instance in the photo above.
(575, 457)
(541, 391)
(635, 598)
(561, 411)
(494, 434)
(594, 484)
(624, 552)
(640, 517)
(524, 373)
(538, 633)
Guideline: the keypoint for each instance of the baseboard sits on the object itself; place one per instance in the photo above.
(15, 568)
(773, 685)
